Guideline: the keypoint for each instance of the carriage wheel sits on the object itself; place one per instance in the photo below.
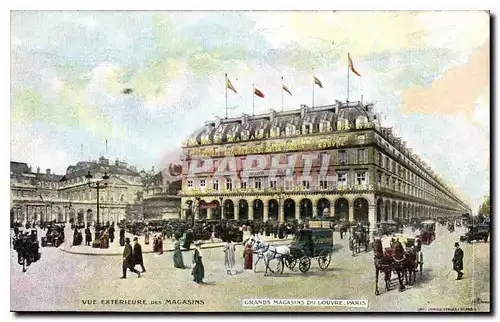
(290, 262)
(304, 264)
(324, 259)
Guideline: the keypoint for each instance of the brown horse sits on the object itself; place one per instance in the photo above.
(383, 262)
(399, 263)
(410, 265)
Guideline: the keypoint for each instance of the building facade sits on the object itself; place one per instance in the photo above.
(161, 199)
(330, 160)
(46, 196)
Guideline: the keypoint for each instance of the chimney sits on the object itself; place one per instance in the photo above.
(29, 169)
(117, 163)
(47, 171)
(38, 170)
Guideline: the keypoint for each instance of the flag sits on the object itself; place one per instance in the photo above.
(318, 82)
(230, 85)
(286, 90)
(351, 65)
(258, 93)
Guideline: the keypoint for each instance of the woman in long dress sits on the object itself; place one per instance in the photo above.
(160, 244)
(178, 261)
(248, 256)
(146, 236)
(198, 269)
(229, 261)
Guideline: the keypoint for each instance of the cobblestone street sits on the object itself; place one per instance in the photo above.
(63, 281)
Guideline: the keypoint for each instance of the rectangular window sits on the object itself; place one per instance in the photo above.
(323, 184)
(306, 185)
(190, 183)
(273, 184)
(379, 178)
(258, 183)
(361, 139)
(243, 184)
(288, 184)
(362, 156)
(342, 178)
(361, 178)
(342, 157)
(203, 183)
(216, 184)
(229, 184)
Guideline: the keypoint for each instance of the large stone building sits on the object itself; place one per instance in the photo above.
(326, 160)
(46, 196)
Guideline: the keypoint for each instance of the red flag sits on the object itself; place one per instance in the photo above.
(258, 93)
(351, 65)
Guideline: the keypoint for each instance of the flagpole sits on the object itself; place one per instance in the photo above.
(253, 99)
(282, 90)
(225, 85)
(313, 94)
(347, 79)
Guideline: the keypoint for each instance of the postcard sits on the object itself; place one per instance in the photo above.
(250, 161)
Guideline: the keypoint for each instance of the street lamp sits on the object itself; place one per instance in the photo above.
(97, 185)
(280, 198)
(221, 210)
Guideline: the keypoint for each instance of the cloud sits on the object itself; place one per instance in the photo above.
(455, 92)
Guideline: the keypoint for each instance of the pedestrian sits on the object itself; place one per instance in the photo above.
(458, 261)
(160, 244)
(248, 256)
(229, 261)
(111, 233)
(88, 236)
(122, 236)
(128, 259)
(189, 239)
(146, 236)
(198, 269)
(138, 254)
(178, 261)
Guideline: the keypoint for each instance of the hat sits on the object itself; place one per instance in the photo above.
(127, 240)
(457, 245)
(135, 238)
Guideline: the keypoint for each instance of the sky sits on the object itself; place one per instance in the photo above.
(427, 74)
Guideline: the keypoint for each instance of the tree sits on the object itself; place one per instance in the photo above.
(485, 207)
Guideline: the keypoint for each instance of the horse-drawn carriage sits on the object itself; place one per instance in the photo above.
(359, 237)
(405, 261)
(476, 232)
(26, 245)
(54, 236)
(388, 228)
(309, 244)
(428, 231)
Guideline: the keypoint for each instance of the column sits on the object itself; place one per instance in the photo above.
(297, 210)
(250, 210)
(266, 211)
(332, 208)
(315, 208)
(196, 210)
(237, 210)
(372, 218)
(222, 212)
(209, 213)
(351, 212)
(389, 211)
(281, 212)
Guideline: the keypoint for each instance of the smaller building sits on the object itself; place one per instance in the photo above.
(160, 197)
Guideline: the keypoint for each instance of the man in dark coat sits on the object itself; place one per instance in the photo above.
(138, 254)
(128, 260)
(88, 236)
(458, 261)
(189, 239)
(122, 236)
(111, 232)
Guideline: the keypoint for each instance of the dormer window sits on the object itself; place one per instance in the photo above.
(343, 124)
(361, 122)
(290, 130)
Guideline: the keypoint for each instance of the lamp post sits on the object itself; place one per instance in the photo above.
(221, 209)
(280, 198)
(97, 185)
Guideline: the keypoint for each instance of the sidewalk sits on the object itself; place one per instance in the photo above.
(168, 245)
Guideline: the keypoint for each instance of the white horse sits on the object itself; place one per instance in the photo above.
(269, 252)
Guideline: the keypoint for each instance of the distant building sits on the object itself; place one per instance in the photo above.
(160, 197)
(46, 196)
